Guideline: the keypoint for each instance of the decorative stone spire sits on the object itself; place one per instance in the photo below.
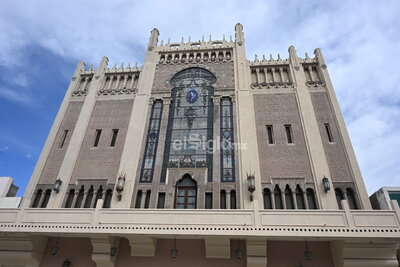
(293, 57)
(307, 57)
(320, 57)
(153, 39)
(239, 36)
(103, 64)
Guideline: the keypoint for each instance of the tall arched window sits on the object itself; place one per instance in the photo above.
(312, 203)
(278, 197)
(186, 193)
(267, 198)
(222, 199)
(146, 175)
(79, 200)
(233, 199)
(289, 197)
(99, 195)
(190, 122)
(351, 198)
(227, 148)
(46, 198)
(339, 197)
(300, 198)
(89, 198)
(38, 196)
(70, 198)
(107, 200)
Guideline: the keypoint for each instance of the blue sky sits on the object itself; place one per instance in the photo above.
(42, 41)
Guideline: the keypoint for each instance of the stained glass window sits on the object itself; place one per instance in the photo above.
(190, 123)
(227, 147)
(149, 158)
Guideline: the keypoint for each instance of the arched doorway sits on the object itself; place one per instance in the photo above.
(186, 193)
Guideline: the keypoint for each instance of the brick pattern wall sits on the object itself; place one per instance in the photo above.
(56, 155)
(102, 162)
(280, 160)
(224, 71)
(335, 152)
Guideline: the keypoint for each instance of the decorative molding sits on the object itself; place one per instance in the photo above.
(272, 85)
(119, 91)
(315, 83)
(80, 93)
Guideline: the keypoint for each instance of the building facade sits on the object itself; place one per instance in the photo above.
(199, 157)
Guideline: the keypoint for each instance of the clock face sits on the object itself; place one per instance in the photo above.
(192, 95)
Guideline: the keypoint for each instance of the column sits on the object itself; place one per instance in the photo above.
(305, 200)
(75, 199)
(143, 200)
(273, 199)
(283, 197)
(294, 200)
(228, 200)
(256, 252)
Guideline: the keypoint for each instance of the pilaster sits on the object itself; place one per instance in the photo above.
(318, 160)
(256, 252)
(136, 130)
(366, 204)
(246, 127)
(74, 146)
(101, 251)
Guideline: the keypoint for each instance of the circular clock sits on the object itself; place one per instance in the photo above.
(192, 95)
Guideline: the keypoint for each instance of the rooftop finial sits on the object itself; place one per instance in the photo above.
(230, 38)
(271, 58)
(91, 67)
(210, 38)
(279, 57)
(223, 37)
(239, 34)
(255, 58)
(162, 42)
(122, 66)
(202, 38)
(307, 57)
(182, 41)
(169, 39)
(136, 65)
(189, 39)
(264, 59)
(153, 39)
(293, 57)
(129, 65)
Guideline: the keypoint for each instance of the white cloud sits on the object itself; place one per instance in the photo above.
(361, 44)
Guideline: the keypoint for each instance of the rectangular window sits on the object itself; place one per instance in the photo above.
(209, 200)
(289, 134)
(114, 137)
(97, 138)
(161, 200)
(329, 132)
(270, 134)
(63, 138)
(147, 200)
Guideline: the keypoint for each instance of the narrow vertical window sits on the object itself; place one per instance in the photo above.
(227, 148)
(63, 138)
(99, 195)
(46, 198)
(147, 200)
(70, 198)
(312, 204)
(208, 204)
(278, 197)
(267, 199)
(114, 137)
(161, 200)
(339, 197)
(89, 198)
(107, 200)
(270, 133)
(289, 197)
(329, 132)
(97, 138)
(300, 198)
(37, 198)
(150, 151)
(222, 200)
(138, 199)
(351, 198)
(289, 134)
(79, 199)
(233, 199)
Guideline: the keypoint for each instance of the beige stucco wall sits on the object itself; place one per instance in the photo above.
(77, 250)
(286, 253)
(190, 253)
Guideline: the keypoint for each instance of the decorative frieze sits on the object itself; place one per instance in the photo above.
(222, 55)
(272, 85)
(118, 84)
